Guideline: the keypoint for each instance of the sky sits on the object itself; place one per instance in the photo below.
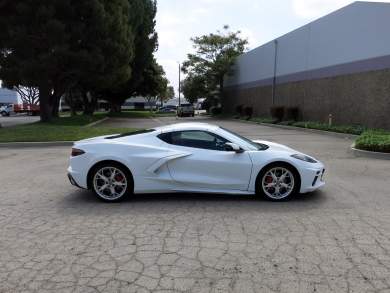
(259, 21)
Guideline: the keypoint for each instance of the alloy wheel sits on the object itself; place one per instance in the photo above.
(278, 183)
(110, 183)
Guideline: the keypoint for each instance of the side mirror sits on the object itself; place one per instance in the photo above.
(232, 147)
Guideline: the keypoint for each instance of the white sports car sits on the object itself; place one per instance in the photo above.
(191, 157)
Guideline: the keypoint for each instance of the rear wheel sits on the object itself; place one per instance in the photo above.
(278, 182)
(111, 182)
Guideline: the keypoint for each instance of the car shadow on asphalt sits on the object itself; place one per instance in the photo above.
(84, 199)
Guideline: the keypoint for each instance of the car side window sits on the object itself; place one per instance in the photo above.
(195, 139)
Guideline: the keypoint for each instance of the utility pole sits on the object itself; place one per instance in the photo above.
(179, 83)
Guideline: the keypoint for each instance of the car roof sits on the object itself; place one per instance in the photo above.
(187, 126)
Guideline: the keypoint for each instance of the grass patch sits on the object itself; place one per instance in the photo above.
(79, 120)
(61, 129)
(140, 114)
(256, 119)
(39, 132)
(374, 140)
(351, 129)
(263, 120)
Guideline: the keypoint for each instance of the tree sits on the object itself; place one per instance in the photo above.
(154, 85)
(60, 45)
(29, 95)
(207, 67)
(170, 94)
(145, 44)
(194, 87)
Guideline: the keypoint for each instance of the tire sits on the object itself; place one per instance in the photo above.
(278, 182)
(111, 182)
(3, 113)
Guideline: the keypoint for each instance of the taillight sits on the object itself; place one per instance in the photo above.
(77, 152)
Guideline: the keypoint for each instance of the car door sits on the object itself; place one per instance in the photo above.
(208, 165)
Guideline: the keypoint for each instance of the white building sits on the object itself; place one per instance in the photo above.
(337, 65)
(139, 103)
(8, 96)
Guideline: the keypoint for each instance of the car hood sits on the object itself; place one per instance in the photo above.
(276, 146)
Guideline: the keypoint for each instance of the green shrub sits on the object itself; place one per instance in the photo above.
(288, 122)
(239, 110)
(351, 129)
(263, 120)
(277, 112)
(374, 140)
(292, 113)
(215, 111)
(248, 111)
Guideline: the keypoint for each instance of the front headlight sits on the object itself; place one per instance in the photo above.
(304, 158)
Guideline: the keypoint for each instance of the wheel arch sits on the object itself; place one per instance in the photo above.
(278, 163)
(107, 162)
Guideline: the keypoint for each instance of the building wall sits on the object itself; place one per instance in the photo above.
(8, 96)
(350, 35)
(338, 64)
(362, 98)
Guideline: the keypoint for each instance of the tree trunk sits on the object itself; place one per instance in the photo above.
(115, 107)
(71, 104)
(220, 88)
(56, 106)
(69, 99)
(45, 103)
(89, 103)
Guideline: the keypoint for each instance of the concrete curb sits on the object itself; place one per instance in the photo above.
(369, 154)
(96, 122)
(35, 144)
(317, 131)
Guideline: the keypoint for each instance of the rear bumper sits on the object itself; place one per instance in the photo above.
(76, 179)
(72, 181)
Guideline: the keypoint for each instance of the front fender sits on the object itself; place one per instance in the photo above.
(263, 159)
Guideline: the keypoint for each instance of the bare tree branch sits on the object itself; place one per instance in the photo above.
(29, 95)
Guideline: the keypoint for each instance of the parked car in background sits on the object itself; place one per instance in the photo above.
(186, 110)
(6, 110)
(167, 109)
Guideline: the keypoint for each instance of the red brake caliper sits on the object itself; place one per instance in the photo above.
(118, 178)
(268, 179)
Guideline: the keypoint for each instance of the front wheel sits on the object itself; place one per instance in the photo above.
(111, 182)
(278, 182)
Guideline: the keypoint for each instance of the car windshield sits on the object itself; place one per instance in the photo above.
(251, 144)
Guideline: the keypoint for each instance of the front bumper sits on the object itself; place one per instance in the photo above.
(312, 178)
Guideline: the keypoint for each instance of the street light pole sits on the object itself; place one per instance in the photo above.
(179, 83)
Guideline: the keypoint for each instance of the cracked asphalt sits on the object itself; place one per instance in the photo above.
(56, 238)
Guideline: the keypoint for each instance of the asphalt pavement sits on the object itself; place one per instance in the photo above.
(57, 238)
(13, 120)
